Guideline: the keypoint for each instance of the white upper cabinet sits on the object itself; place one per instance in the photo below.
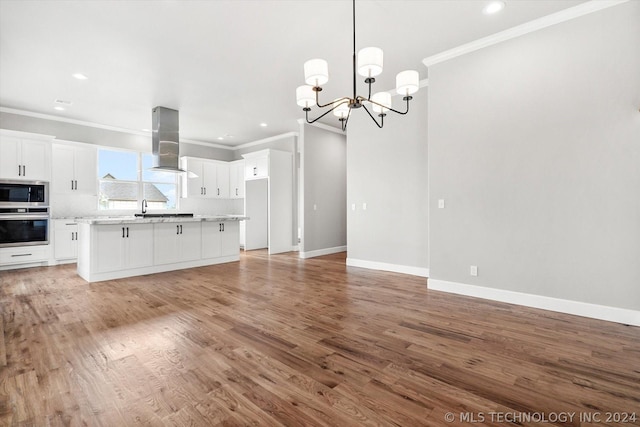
(236, 179)
(256, 165)
(25, 158)
(74, 169)
(211, 180)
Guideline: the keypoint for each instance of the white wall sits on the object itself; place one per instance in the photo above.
(387, 170)
(534, 144)
(324, 173)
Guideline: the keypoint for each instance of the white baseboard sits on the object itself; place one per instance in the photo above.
(325, 251)
(396, 268)
(594, 311)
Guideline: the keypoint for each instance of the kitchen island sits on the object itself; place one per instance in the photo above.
(117, 247)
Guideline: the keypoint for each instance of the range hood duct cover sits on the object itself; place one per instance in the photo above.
(165, 137)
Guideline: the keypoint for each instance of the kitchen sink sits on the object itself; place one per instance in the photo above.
(164, 215)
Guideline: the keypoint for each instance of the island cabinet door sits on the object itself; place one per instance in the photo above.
(108, 246)
(230, 244)
(189, 241)
(138, 245)
(122, 246)
(165, 236)
(211, 239)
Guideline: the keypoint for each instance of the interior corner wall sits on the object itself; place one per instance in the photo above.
(324, 176)
(534, 144)
(387, 170)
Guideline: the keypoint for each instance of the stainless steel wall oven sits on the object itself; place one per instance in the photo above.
(24, 213)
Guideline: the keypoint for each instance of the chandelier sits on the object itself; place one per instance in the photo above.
(369, 65)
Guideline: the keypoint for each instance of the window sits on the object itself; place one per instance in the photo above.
(125, 180)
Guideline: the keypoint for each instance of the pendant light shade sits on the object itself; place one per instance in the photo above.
(305, 96)
(407, 82)
(341, 109)
(370, 61)
(316, 72)
(383, 98)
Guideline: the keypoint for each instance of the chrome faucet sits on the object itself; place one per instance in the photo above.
(144, 206)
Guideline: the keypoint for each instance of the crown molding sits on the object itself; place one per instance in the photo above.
(264, 141)
(520, 30)
(104, 127)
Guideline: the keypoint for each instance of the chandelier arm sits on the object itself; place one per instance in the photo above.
(345, 121)
(324, 114)
(406, 98)
(344, 98)
(373, 118)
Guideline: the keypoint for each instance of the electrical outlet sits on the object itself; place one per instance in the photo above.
(315, 207)
(473, 270)
(353, 206)
(364, 206)
(440, 203)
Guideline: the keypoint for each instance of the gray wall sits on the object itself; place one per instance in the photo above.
(324, 176)
(535, 146)
(387, 170)
(91, 135)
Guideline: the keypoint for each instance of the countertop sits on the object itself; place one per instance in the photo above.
(102, 220)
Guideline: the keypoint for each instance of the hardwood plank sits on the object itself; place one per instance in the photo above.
(276, 340)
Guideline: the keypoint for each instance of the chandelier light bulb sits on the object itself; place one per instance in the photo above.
(342, 109)
(305, 96)
(383, 98)
(370, 61)
(407, 82)
(316, 72)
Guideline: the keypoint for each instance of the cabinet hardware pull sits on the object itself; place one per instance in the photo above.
(24, 170)
(72, 236)
(180, 228)
(127, 232)
(220, 227)
(218, 191)
(205, 191)
(19, 173)
(72, 184)
(177, 229)
(123, 232)
(21, 255)
(236, 191)
(255, 171)
(223, 226)
(76, 184)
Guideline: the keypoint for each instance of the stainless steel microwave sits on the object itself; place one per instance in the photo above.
(24, 193)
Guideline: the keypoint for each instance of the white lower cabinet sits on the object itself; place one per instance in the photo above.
(65, 240)
(220, 239)
(113, 251)
(24, 255)
(123, 246)
(176, 242)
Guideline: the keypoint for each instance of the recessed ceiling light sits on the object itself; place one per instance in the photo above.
(220, 138)
(493, 7)
(58, 108)
(264, 125)
(146, 130)
(80, 76)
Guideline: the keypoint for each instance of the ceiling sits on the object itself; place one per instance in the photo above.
(226, 65)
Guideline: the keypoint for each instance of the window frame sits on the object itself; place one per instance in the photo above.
(139, 181)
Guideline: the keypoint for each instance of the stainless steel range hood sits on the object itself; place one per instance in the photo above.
(165, 137)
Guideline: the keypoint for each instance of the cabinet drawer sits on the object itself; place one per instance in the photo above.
(24, 254)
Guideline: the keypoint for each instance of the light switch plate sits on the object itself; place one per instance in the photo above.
(473, 270)
(364, 206)
(440, 203)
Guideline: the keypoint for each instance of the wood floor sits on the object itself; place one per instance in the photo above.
(282, 341)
